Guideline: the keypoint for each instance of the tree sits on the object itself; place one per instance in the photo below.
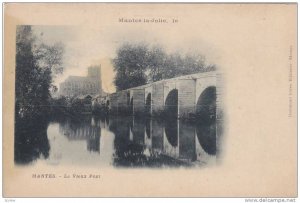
(130, 66)
(36, 65)
(157, 59)
(50, 59)
(138, 64)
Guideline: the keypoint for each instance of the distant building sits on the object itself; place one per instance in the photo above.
(78, 86)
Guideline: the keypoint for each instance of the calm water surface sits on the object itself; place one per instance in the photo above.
(118, 142)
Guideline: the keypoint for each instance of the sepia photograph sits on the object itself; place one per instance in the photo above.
(158, 109)
(155, 99)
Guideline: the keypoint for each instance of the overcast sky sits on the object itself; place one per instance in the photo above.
(85, 46)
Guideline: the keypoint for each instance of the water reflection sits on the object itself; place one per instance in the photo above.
(206, 135)
(119, 141)
(158, 143)
(31, 141)
(85, 128)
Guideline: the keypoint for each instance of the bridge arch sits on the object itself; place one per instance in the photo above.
(206, 104)
(206, 120)
(171, 104)
(148, 104)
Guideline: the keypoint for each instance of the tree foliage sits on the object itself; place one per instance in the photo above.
(130, 65)
(36, 65)
(139, 64)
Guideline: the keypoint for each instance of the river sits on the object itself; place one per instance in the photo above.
(117, 142)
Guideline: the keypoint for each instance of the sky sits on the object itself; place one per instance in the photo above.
(92, 45)
(80, 52)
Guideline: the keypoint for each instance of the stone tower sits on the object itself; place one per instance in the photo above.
(94, 73)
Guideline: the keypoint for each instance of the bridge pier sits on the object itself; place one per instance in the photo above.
(158, 98)
(138, 96)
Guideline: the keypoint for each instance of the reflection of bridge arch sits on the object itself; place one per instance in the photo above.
(207, 138)
(148, 128)
(171, 104)
(171, 130)
(206, 119)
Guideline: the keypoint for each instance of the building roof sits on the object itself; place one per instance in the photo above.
(79, 79)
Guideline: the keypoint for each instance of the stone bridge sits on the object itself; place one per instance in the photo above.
(196, 97)
(182, 97)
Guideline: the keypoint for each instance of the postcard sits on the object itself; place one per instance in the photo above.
(150, 100)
